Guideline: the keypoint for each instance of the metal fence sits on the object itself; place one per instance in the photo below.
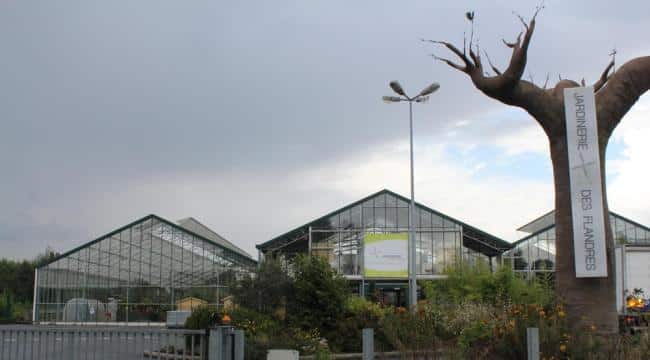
(86, 343)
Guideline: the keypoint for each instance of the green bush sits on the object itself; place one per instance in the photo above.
(266, 291)
(359, 313)
(201, 318)
(318, 296)
(477, 283)
(6, 307)
(407, 331)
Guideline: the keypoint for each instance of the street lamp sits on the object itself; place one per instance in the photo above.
(423, 96)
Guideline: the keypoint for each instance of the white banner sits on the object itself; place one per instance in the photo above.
(586, 188)
(385, 255)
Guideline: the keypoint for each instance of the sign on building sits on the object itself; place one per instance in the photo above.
(585, 178)
(385, 255)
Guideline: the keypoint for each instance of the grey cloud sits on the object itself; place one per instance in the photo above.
(102, 94)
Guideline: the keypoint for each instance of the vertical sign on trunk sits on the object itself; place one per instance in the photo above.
(586, 188)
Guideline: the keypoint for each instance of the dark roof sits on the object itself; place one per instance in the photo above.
(230, 252)
(469, 232)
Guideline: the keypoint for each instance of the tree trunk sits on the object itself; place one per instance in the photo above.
(615, 95)
(593, 296)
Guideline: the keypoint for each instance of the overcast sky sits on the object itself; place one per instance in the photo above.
(257, 116)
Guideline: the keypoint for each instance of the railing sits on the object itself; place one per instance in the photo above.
(76, 343)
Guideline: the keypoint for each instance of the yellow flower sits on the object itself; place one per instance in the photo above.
(561, 314)
(593, 327)
(542, 313)
(563, 348)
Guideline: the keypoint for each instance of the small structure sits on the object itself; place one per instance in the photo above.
(83, 310)
(189, 303)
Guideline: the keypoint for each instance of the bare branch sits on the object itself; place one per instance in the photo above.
(476, 58)
(450, 63)
(603, 77)
(521, 19)
(507, 86)
(539, 8)
(452, 48)
(583, 83)
(464, 42)
(514, 44)
(546, 81)
(494, 68)
(623, 89)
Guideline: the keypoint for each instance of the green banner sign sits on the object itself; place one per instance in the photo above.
(385, 255)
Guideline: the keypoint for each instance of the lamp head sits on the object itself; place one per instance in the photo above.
(397, 88)
(430, 89)
(391, 99)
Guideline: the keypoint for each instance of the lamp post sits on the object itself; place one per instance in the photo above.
(423, 96)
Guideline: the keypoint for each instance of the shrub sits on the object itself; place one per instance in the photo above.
(477, 283)
(407, 331)
(201, 318)
(318, 296)
(359, 313)
(266, 291)
(6, 307)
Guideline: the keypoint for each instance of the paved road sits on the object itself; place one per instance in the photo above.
(76, 343)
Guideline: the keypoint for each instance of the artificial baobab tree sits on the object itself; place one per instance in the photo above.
(587, 299)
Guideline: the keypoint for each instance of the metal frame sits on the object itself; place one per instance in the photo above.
(147, 254)
(530, 270)
(303, 229)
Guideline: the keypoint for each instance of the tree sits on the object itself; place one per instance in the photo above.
(318, 296)
(266, 290)
(616, 92)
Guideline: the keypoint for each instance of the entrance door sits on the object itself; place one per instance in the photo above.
(393, 296)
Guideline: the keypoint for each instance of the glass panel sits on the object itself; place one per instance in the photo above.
(426, 253)
(391, 201)
(355, 217)
(334, 221)
(131, 276)
(345, 219)
(380, 217)
(391, 217)
(403, 218)
(436, 221)
(368, 214)
(380, 201)
(425, 219)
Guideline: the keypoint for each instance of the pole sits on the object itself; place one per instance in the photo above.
(412, 269)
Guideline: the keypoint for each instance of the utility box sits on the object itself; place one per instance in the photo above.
(281, 354)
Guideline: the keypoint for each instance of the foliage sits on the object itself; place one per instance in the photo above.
(265, 291)
(318, 296)
(358, 314)
(408, 331)
(485, 315)
(17, 286)
(201, 318)
(17, 277)
(477, 283)
(6, 306)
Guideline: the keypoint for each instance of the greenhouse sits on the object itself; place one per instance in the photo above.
(139, 272)
(366, 242)
(535, 253)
